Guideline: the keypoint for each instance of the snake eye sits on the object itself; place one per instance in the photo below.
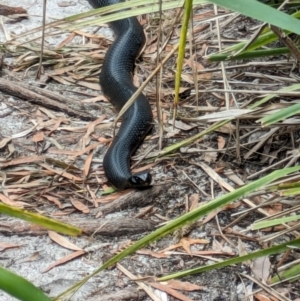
(141, 180)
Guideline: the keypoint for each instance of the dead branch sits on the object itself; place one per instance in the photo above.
(134, 198)
(27, 94)
(134, 294)
(105, 227)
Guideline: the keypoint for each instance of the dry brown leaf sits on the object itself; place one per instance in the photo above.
(164, 118)
(193, 201)
(24, 133)
(274, 209)
(170, 291)
(261, 268)
(210, 156)
(64, 260)
(22, 160)
(185, 243)
(242, 251)
(104, 140)
(62, 241)
(151, 253)
(35, 256)
(185, 286)
(87, 164)
(191, 241)
(171, 131)
(45, 124)
(38, 137)
(136, 81)
(261, 297)
(90, 129)
(66, 41)
(64, 213)
(215, 253)
(45, 112)
(232, 206)
(54, 200)
(57, 124)
(143, 168)
(192, 63)
(62, 173)
(150, 49)
(72, 153)
(216, 246)
(100, 98)
(111, 197)
(211, 215)
(4, 142)
(69, 81)
(10, 202)
(80, 206)
(182, 125)
(5, 245)
(228, 128)
(93, 196)
(221, 142)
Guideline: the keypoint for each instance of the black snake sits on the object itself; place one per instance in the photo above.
(117, 86)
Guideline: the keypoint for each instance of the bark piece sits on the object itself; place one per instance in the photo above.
(135, 198)
(24, 93)
(122, 295)
(105, 227)
(6, 10)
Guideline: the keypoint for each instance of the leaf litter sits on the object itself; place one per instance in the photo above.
(55, 159)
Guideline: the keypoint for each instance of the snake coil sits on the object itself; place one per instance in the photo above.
(117, 85)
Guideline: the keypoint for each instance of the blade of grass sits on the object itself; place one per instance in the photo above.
(274, 222)
(266, 252)
(280, 115)
(269, 97)
(19, 287)
(292, 272)
(188, 5)
(148, 7)
(290, 192)
(40, 220)
(264, 38)
(261, 12)
(249, 54)
(169, 149)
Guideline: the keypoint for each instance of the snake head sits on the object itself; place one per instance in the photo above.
(140, 180)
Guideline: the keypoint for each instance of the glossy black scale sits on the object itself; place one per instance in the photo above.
(116, 82)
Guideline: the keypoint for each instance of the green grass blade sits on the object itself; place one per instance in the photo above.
(40, 220)
(269, 97)
(188, 5)
(19, 287)
(170, 149)
(280, 115)
(266, 252)
(189, 218)
(292, 272)
(274, 222)
(116, 14)
(249, 54)
(263, 39)
(290, 192)
(261, 12)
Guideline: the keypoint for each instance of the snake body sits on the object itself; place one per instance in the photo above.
(116, 81)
